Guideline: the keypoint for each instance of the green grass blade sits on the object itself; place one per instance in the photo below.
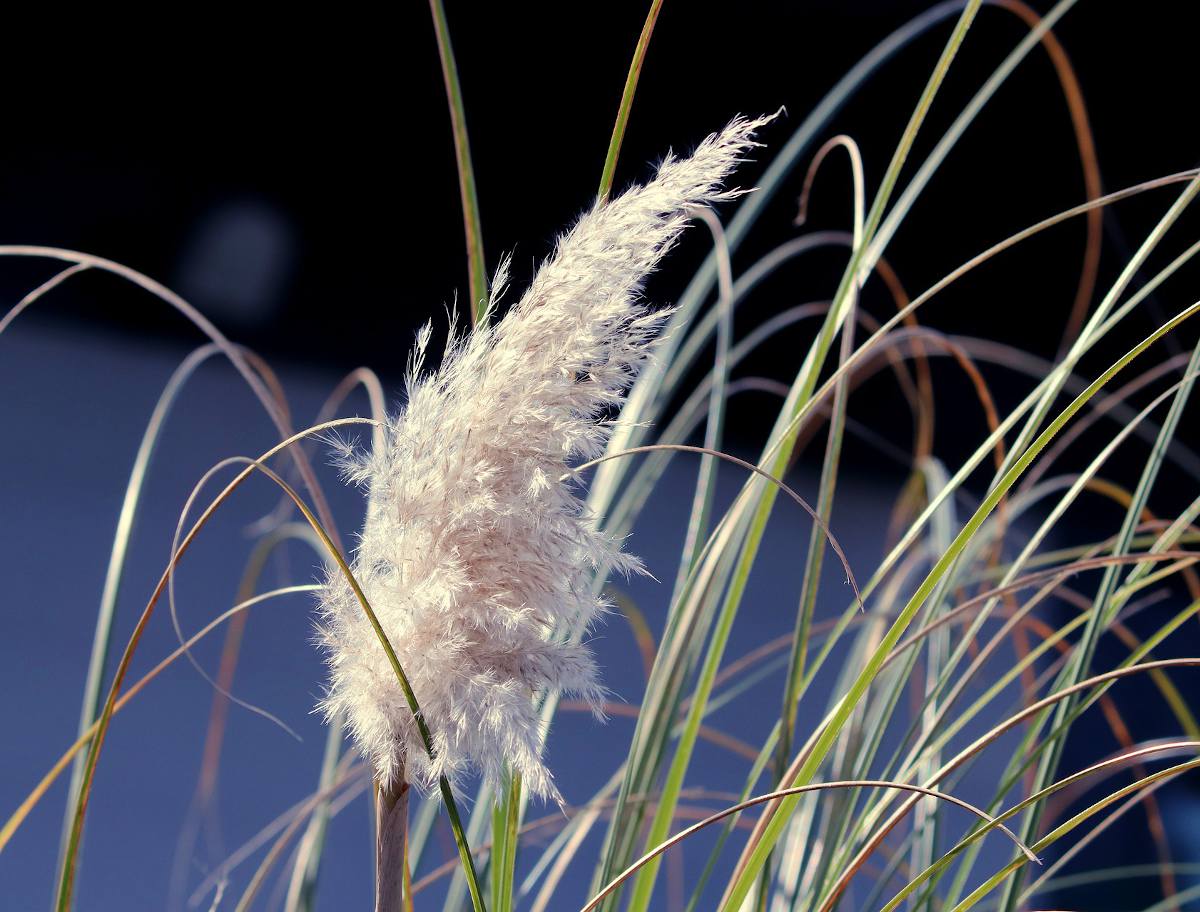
(476, 265)
(631, 82)
(506, 815)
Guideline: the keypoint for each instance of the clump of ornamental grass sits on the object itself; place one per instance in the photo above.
(459, 618)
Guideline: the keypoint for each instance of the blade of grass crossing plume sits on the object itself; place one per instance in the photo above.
(508, 812)
(476, 265)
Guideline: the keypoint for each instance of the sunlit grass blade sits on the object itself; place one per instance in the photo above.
(505, 825)
(476, 265)
(626, 105)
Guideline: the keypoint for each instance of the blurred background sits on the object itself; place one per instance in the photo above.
(292, 175)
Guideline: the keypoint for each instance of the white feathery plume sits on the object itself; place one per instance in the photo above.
(475, 556)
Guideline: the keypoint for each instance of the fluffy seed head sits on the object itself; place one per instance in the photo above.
(476, 558)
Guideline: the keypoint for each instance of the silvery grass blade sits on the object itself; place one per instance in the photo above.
(102, 637)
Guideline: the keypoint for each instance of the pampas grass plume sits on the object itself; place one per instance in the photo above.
(476, 556)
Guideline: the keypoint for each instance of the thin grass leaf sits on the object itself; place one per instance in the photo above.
(476, 264)
(626, 105)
